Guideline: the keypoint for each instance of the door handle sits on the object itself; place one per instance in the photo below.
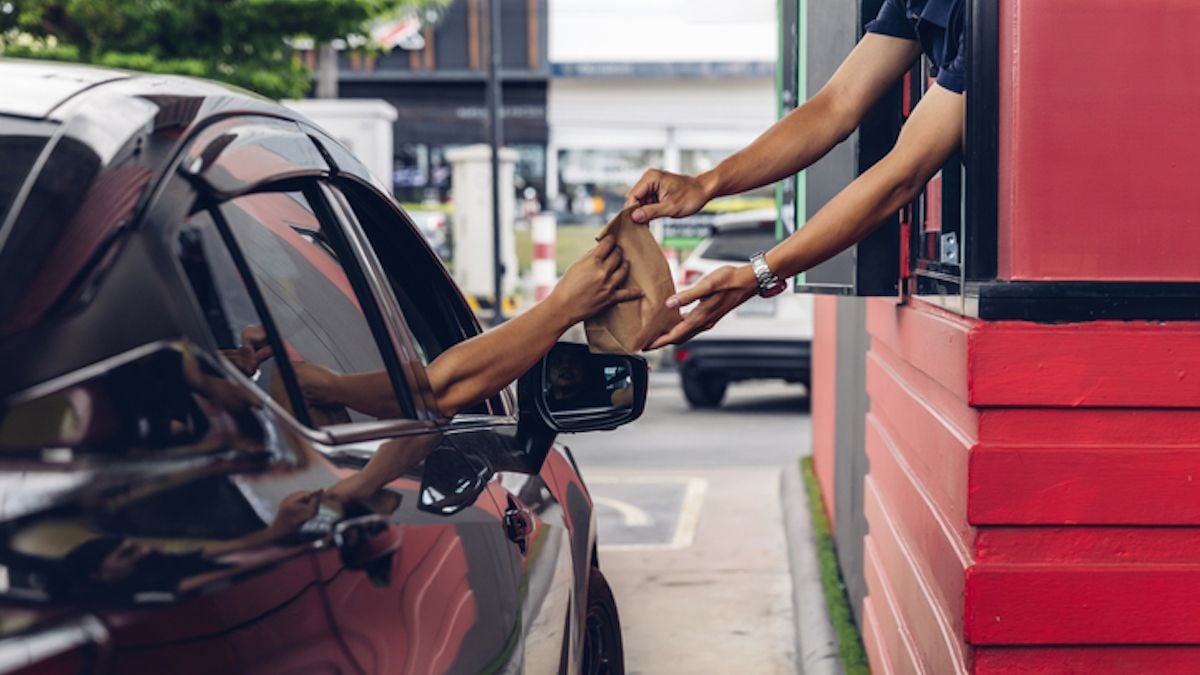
(518, 524)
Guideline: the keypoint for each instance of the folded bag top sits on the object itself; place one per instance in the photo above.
(630, 327)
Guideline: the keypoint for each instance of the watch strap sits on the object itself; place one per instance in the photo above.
(769, 283)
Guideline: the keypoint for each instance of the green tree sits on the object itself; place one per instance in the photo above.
(243, 42)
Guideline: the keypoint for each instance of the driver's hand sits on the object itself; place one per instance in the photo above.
(593, 282)
(253, 351)
(662, 194)
(718, 294)
(318, 385)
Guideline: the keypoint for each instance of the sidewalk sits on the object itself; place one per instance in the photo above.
(721, 603)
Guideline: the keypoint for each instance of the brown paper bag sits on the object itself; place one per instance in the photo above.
(630, 327)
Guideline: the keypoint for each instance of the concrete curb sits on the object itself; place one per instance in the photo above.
(816, 640)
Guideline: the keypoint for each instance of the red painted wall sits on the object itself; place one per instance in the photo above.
(919, 434)
(1098, 143)
(823, 395)
(1034, 495)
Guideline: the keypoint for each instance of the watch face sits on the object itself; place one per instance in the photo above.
(775, 290)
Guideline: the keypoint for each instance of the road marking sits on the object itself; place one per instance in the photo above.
(689, 513)
(631, 515)
(686, 520)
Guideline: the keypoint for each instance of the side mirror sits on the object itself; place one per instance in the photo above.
(573, 390)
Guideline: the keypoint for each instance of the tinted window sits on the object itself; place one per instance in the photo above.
(432, 306)
(297, 266)
(738, 243)
(227, 305)
(52, 235)
(430, 303)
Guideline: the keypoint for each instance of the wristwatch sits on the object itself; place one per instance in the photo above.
(769, 284)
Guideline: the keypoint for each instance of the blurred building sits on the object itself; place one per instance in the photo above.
(594, 91)
(437, 80)
(672, 83)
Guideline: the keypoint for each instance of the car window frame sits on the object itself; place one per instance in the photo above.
(502, 406)
(368, 302)
(181, 192)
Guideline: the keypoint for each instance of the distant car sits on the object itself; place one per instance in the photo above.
(173, 500)
(435, 228)
(766, 338)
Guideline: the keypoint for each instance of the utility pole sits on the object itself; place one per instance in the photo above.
(496, 132)
(327, 71)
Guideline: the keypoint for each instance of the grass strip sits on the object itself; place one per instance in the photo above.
(854, 656)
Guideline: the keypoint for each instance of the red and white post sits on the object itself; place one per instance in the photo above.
(544, 228)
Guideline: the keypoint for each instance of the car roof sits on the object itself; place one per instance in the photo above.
(101, 127)
(35, 88)
(46, 90)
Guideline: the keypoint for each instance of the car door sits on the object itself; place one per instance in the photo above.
(538, 551)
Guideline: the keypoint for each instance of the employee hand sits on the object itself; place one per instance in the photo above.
(662, 193)
(718, 293)
(594, 281)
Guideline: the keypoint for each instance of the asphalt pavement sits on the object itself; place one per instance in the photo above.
(691, 530)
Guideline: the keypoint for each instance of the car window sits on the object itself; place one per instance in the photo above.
(21, 142)
(227, 305)
(295, 263)
(737, 244)
(432, 306)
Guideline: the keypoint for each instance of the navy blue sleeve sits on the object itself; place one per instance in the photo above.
(953, 75)
(892, 21)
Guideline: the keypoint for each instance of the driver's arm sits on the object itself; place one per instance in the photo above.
(473, 370)
(476, 369)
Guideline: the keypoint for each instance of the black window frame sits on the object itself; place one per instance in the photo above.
(871, 267)
(931, 271)
(453, 306)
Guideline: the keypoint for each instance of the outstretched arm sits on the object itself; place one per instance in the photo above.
(473, 370)
(791, 144)
(926, 142)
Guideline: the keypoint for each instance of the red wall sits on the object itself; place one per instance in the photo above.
(823, 395)
(919, 434)
(1098, 140)
(1034, 495)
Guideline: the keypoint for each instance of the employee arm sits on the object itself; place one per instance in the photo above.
(926, 142)
(791, 144)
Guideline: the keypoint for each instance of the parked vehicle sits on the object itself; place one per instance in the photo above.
(161, 239)
(765, 338)
(435, 227)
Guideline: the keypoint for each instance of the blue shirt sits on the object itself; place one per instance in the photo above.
(938, 25)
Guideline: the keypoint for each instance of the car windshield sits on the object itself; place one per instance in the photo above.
(737, 243)
(21, 141)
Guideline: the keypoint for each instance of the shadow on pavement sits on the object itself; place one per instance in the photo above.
(799, 403)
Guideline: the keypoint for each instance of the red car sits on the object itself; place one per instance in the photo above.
(173, 498)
